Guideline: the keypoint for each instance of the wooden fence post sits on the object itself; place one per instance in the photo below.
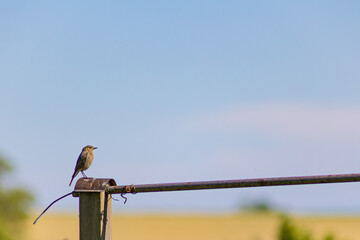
(95, 216)
(95, 208)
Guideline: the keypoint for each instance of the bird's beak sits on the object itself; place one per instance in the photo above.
(95, 147)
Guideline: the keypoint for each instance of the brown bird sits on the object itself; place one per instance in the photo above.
(84, 161)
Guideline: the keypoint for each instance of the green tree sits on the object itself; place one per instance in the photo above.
(258, 206)
(289, 231)
(14, 206)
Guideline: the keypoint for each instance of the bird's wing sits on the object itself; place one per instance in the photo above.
(81, 160)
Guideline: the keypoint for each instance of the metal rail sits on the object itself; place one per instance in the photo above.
(242, 183)
(95, 195)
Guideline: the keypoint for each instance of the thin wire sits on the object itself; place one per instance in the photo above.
(51, 205)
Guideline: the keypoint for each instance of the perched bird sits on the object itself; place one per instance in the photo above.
(84, 161)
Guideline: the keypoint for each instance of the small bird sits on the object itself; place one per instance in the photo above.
(84, 161)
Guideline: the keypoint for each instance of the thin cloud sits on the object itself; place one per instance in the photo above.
(291, 120)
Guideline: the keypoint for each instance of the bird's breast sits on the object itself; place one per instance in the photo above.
(88, 161)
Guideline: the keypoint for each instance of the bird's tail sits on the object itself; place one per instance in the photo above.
(71, 180)
(74, 175)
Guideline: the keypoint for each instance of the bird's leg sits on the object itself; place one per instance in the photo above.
(82, 172)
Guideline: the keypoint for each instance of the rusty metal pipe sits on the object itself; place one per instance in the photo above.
(242, 183)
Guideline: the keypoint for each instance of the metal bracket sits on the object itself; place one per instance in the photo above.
(92, 185)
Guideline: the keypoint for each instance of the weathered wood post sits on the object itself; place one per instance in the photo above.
(95, 208)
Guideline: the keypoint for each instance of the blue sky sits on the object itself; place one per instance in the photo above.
(183, 91)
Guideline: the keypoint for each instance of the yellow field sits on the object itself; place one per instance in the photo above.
(195, 227)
